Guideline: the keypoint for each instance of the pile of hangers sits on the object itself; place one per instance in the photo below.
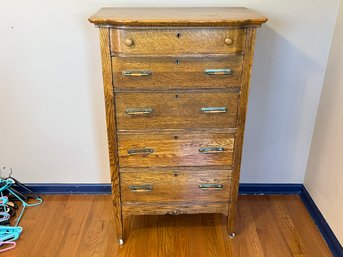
(11, 191)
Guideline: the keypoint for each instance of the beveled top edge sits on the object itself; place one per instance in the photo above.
(190, 16)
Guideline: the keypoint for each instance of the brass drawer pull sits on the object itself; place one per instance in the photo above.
(141, 188)
(138, 111)
(211, 186)
(128, 42)
(218, 72)
(228, 41)
(132, 73)
(140, 151)
(213, 109)
(207, 150)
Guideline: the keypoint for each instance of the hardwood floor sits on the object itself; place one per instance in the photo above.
(82, 225)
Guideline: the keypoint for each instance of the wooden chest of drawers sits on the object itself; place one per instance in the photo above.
(176, 87)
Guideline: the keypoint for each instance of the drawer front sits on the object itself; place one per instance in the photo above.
(177, 41)
(174, 209)
(175, 186)
(176, 110)
(181, 72)
(172, 149)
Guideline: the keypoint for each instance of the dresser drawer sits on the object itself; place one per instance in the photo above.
(175, 41)
(172, 149)
(175, 208)
(176, 186)
(177, 72)
(176, 110)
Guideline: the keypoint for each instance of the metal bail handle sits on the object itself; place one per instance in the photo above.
(140, 151)
(213, 109)
(141, 188)
(218, 72)
(132, 73)
(207, 150)
(138, 111)
(211, 186)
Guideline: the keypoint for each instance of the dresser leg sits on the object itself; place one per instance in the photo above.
(231, 221)
(230, 228)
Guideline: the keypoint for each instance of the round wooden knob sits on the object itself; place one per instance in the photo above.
(228, 41)
(128, 42)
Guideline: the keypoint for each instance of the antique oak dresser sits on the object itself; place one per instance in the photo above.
(176, 84)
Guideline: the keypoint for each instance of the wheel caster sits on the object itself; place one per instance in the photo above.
(232, 235)
(121, 241)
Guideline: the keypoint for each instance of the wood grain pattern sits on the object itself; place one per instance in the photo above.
(155, 60)
(243, 104)
(111, 128)
(177, 72)
(175, 149)
(176, 110)
(209, 16)
(177, 41)
(176, 186)
(174, 208)
(83, 226)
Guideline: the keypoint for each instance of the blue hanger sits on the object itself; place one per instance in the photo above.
(7, 183)
(9, 233)
(25, 204)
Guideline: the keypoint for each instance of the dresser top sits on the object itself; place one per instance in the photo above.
(194, 16)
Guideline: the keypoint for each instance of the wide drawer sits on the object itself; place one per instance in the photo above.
(177, 72)
(175, 186)
(174, 41)
(175, 149)
(174, 209)
(176, 110)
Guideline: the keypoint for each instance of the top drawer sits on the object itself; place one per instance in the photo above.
(174, 41)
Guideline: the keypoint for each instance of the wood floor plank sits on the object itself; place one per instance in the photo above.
(268, 232)
(246, 233)
(83, 226)
(314, 244)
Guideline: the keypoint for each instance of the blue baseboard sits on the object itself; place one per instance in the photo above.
(55, 188)
(321, 223)
(244, 189)
(269, 189)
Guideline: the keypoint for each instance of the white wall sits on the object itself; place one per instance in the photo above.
(324, 173)
(52, 125)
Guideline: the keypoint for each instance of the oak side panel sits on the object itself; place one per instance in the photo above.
(242, 110)
(111, 128)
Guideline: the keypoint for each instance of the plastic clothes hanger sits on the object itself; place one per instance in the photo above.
(3, 200)
(4, 216)
(8, 182)
(11, 246)
(9, 233)
(14, 182)
(4, 184)
(25, 204)
(18, 188)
